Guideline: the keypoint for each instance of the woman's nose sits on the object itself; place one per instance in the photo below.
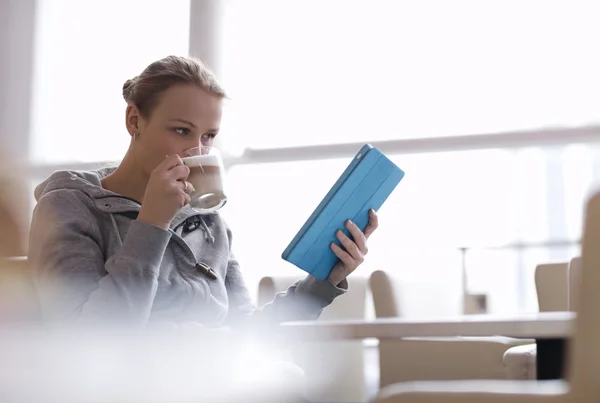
(195, 142)
(206, 142)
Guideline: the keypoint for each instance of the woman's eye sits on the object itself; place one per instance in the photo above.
(184, 131)
(208, 136)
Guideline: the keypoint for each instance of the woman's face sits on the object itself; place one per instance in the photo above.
(185, 117)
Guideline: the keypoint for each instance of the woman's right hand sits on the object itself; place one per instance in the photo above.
(165, 194)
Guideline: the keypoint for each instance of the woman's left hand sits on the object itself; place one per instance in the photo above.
(354, 250)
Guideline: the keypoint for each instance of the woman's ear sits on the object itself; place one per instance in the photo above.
(132, 117)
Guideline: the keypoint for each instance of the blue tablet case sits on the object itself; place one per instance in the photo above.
(366, 183)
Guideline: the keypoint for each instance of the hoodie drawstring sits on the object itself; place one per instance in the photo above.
(194, 222)
(207, 234)
(116, 228)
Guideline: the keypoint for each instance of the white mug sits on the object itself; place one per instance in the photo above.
(206, 175)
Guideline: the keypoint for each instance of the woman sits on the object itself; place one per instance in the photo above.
(124, 245)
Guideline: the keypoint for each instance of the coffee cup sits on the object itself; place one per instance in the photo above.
(206, 176)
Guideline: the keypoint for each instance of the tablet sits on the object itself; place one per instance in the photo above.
(365, 184)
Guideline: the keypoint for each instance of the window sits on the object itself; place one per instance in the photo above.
(310, 72)
(315, 72)
(84, 53)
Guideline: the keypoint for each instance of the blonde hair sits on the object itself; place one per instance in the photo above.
(144, 91)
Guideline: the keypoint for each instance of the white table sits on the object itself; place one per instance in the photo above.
(547, 325)
(551, 330)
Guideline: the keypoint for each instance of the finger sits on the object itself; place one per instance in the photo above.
(184, 199)
(189, 189)
(169, 162)
(373, 223)
(349, 245)
(178, 173)
(357, 235)
(343, 255)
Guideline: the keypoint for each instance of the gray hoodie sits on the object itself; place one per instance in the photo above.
(92, 260)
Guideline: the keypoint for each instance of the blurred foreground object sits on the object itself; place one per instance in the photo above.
(18, 298)
(18, 301)
(112, 365)
(11, 215)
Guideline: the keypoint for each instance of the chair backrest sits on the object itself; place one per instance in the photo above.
(574, 282)
(384, 295)
(18, 298)
(552, 286)
(351, 305)
(584, 349)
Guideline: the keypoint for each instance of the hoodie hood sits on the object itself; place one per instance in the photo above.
(88, 182)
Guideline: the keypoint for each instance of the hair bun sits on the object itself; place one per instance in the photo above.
(128, 88)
